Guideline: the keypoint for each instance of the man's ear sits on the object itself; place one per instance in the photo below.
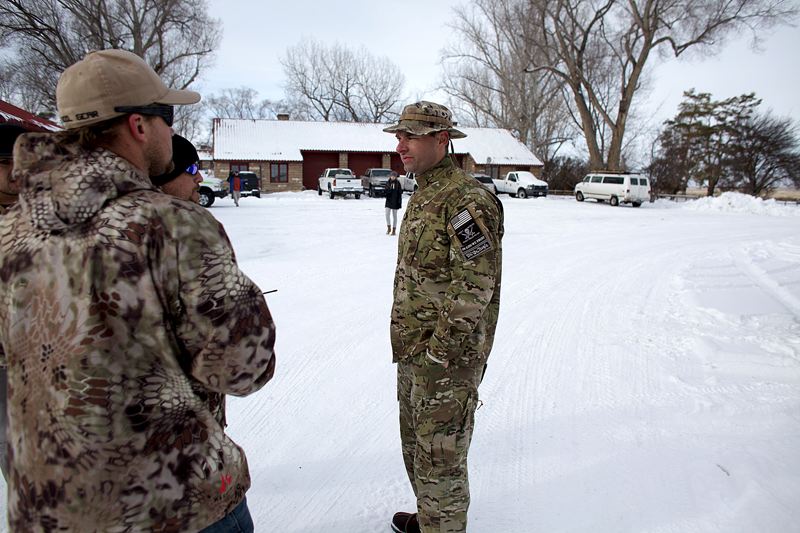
(137, 127)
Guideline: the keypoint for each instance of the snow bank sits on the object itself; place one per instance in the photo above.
(734, 202)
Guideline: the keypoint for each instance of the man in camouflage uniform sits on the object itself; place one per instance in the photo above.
(124, 320)
(446, 301)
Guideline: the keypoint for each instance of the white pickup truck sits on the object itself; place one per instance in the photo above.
(521, 184)
(339, 181)
(211, 188)
(408, 182)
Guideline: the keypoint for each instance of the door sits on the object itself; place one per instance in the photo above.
(397, 164)
(594, 187)
(313, 165)
(640, 192)
(359, 162)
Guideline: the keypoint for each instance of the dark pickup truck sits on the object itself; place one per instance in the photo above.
(374, 181)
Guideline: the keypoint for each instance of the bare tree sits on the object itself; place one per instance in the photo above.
(176, 37)
(594, 45)
(334, 83)
(242, 102)
(765, 155)
(486, 76)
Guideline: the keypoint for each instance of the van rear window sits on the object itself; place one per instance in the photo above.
(614, 180)
(642, 181)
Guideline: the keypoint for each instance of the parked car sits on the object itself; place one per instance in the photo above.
(374, 181)
(615, 187)
(521, 184)
(486, 181)
(409, 182)
(211, 188)
(339, 181)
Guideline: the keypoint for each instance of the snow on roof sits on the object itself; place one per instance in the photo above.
(16, 115)
(283, 140)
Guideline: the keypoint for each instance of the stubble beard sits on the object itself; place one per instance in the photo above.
(159, 162)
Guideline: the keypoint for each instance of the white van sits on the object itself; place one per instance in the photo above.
(616, 188)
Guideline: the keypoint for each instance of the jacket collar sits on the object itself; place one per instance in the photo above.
(435, 173)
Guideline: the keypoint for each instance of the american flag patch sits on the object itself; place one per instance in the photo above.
(471, 238)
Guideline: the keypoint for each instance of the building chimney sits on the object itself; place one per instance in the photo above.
(283, 116)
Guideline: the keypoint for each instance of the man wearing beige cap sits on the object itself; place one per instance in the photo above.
(124, 321)
(446, 302)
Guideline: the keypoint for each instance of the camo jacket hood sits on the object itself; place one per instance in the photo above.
(449, 263)
(124, 320)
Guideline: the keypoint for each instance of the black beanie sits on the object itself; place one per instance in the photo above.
(9, 134)
(184, 154)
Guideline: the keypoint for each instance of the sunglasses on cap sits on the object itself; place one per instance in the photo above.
(192, 169)
(167, 112)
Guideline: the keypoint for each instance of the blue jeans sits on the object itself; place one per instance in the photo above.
(237, 521)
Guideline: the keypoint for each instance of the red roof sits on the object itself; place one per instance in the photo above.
(14, 115)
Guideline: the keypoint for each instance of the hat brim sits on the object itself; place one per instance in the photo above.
(419, 129)
(179, 97)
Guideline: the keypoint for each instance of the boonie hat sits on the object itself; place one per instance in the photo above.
(9, 134)
(89, 90)
(422, 118)
(184, 154)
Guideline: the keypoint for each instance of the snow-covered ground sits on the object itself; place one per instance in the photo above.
(645, 376)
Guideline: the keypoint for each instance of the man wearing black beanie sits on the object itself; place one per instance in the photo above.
(8, 188)
(9, 192)
(184, 179)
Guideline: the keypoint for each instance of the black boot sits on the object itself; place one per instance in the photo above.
(405, 523)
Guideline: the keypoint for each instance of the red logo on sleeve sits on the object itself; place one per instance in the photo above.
(224, 482)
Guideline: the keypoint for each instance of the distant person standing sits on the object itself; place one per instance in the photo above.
(446, 302)
(184, 180)
(235, 186)
(394, 201)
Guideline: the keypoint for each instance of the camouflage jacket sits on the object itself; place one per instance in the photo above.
(123, 321)
(447, 282)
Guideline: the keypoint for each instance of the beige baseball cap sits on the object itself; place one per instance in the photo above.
(89, 90)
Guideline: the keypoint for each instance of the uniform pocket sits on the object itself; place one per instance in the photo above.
(444, 428)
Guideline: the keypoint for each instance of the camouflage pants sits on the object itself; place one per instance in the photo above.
(437, 410)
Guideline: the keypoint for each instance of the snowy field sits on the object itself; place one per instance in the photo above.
(645, 376)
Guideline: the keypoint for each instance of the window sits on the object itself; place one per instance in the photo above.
(512, 177)
(279, 173)
(238, 167)
(597, 179)
(634, 181)
(614, 180)
(643, 181)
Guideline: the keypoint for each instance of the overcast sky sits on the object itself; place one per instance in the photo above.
(413, 32)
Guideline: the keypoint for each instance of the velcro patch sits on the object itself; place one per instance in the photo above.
(471, 236)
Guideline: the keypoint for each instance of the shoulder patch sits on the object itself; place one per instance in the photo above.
(473, 238)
